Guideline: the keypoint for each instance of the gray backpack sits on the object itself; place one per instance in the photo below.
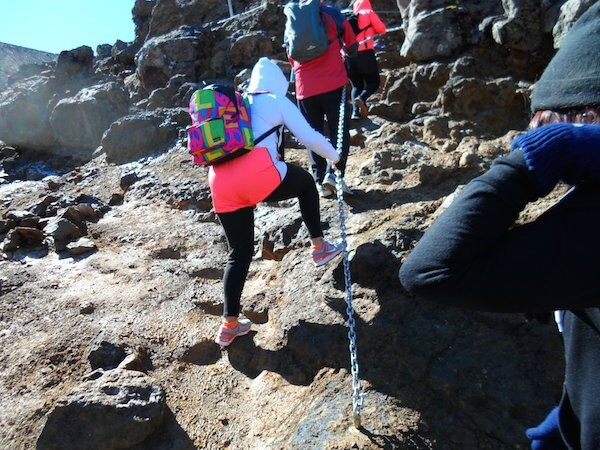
(304, 36)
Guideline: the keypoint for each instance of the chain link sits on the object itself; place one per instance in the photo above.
(357, 394)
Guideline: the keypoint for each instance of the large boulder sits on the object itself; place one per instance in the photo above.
(119, 409)
(79, 122)
(568, 14)
(143, 134)
(169, 15)
(76, 62)
(162, 57)
(173, 95)
(24, 115)
(124, 53)
(522, 26)
(437, 29)
(435, 34)
(142, 11)
(103, 51)
(408, 90)
(249, 48)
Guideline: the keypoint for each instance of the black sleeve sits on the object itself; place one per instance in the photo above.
(471, 257)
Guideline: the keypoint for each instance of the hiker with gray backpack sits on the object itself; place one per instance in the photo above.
(314, 42)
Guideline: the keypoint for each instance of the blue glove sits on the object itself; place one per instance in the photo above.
(546, 436)
(561, 151)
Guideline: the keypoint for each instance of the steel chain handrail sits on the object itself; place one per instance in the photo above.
(357, 394)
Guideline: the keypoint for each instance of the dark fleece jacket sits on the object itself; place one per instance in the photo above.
(471, 257)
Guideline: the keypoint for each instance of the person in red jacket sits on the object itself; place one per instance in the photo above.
(319, 84)
(363, 68)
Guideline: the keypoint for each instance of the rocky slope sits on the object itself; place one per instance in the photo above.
(110, 280)
(12, 57)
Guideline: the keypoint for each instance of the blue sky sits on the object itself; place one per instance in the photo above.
(56, 25)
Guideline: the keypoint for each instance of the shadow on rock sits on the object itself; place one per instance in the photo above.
(203, 353)
(170, 436)
(410, 440)
(310, 347)
(465, 369)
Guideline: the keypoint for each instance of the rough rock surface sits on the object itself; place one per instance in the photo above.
(80, 121)
(117, 409)
(16, 61)
(112, 262)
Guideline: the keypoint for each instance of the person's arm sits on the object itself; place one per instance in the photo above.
(306, 135)
(562, 151)
(470, 257)
(376, 23)
(459, 260)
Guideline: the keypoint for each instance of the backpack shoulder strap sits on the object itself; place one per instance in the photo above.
(267, 133)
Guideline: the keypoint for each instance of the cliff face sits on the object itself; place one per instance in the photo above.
(14, 56)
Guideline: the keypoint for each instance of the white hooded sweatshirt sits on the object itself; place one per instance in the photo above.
(273, 108)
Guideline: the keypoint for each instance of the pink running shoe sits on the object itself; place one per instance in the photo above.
(226, 335)
(326, 253)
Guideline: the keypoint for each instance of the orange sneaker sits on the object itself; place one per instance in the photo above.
(325, 253)
(362, 107)
(226, 334)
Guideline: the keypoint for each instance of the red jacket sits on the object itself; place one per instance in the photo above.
(369, 22)
(327, 72)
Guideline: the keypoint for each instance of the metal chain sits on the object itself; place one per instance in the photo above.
(357, 394)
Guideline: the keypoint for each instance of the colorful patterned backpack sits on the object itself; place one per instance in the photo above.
(220, 128)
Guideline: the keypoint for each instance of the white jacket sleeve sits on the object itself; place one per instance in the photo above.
(306, 135)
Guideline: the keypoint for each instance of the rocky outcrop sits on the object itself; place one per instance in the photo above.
(24, 114)
(174, 53)
(17, 62)
(80, 121)
(168, 15)
(568, 13)
(491, 106)
(141, 12)
(142, 134)
(27, 107)
(75, 63)
(521, 26)
(127, 243)
(440, 29)
(177, 45)
(119, 409)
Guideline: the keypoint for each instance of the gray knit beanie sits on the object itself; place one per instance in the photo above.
(572, 78)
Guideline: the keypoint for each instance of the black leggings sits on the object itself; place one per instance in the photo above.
(316, 109)
(239, 230)
(364, 75)
(364, 85)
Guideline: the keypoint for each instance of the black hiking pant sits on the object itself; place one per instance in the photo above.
(316, 109)
(364, 76)
(239, 230)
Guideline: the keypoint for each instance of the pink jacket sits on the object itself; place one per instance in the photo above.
(368, 21)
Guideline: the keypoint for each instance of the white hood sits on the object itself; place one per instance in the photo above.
(267, 77)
